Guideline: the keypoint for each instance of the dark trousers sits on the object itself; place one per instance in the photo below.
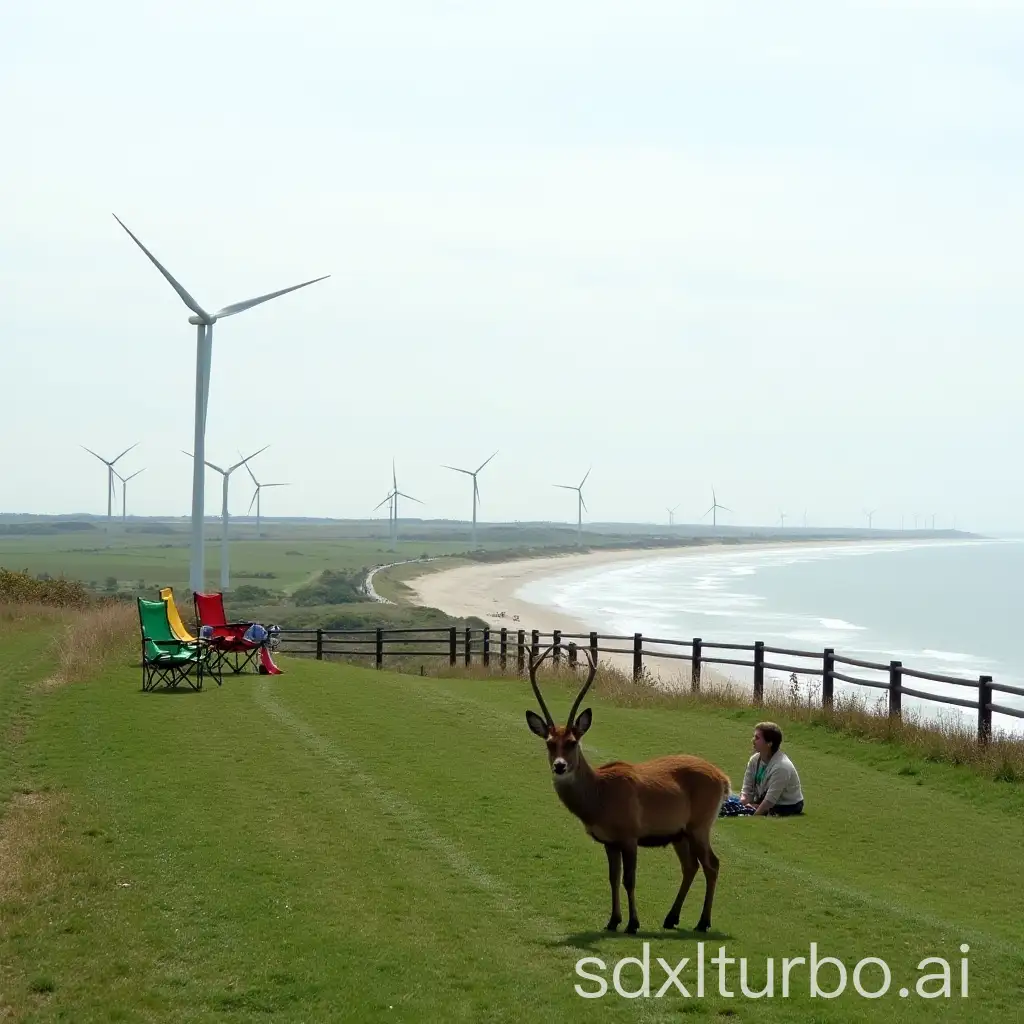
(784, 810)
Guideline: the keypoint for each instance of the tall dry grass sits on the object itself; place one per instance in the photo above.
(945, 739)
(93, 637)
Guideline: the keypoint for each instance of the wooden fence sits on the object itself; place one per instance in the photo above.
(507, 646)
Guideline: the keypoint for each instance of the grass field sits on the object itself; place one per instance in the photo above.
(343, 844)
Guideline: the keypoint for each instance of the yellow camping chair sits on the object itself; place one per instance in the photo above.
(167, 596)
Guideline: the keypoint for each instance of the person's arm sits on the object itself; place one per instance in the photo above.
(748, 782)
(776, 786)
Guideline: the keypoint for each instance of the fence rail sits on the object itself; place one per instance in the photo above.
(508, 645)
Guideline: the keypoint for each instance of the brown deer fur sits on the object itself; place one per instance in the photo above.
(672, 800)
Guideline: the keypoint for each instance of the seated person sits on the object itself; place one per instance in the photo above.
(771, 784)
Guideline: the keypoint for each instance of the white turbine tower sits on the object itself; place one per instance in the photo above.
(476, 489)
(256, 494)
(204, 322)
(124, 491)
(225, 577)
(870, 514)
(109, 463)
(714, 509)
(580, 505)
(396, 494)
(671, 515)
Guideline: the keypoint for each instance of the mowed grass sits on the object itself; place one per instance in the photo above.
(342, 844)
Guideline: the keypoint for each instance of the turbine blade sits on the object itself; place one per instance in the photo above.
(584, 504)
(724, 509)
(275, 485)
(125, 480)
(253, 502)
(468, 472)
(240, 307)
(565, 487)
(100, 457)
(394, 476)
(484, 463)
(212, 466)
(249, 469)
(125, 452)
(245, 460)
(584, 480)
(184, 295)
(384, 502)
(402, 494)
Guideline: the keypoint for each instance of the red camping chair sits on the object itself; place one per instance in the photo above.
(230, 648)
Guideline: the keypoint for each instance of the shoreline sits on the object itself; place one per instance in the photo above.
(485, 590)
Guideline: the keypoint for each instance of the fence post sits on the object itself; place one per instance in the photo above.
(695, 662)
(827, 668)
(453, 642)
(895, 688)
(984, 711)
(638, 657)
(521, 651)
(534, 644)
(572, 654)
(487, 646)
(469, 642)
(319, 645)
(380, 647)
(758, 671)
(504, 648)
(593, 648)
(556, 646)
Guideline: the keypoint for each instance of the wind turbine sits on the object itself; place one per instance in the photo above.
(124, 491)
(870, 513)
(671, 515)
(396, 494)
(476, 489)
(204, 322)
(256, 493)
(226, 474)
(110, 481)
(782, 520)
(714, 509)
(580, 506)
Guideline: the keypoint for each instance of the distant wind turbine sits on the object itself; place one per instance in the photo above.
(124, 491)
(870, 515)
(580, 505)
(396, 494)
(782, 520)
(671, 515)
(933, 522)
(256, 494)
(225, 578)
(476, 490)
(805, 519)
(714, 509)
(110, 481)
(204, 322)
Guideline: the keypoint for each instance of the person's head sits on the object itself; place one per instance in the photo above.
(767, 738)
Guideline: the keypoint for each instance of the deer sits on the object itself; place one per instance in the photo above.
(670, 800)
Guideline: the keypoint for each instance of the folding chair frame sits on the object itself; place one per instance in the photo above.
(171, 671)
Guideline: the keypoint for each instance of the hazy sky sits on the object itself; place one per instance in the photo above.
(774, 248)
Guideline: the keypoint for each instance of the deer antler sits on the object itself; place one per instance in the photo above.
(534, 665)
(586, 686)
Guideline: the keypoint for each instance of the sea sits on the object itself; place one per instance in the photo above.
(950, 607)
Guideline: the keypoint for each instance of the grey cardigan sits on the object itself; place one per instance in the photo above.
(780, 785)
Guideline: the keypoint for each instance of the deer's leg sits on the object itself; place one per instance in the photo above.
(614, 877)
(688, 861)
(629, 877)
(709, 862)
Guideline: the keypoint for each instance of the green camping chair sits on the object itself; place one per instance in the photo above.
(166, 660)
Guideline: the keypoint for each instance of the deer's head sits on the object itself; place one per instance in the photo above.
(562, 740)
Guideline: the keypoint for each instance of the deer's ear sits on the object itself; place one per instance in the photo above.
(582, 723)
(537, 724)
